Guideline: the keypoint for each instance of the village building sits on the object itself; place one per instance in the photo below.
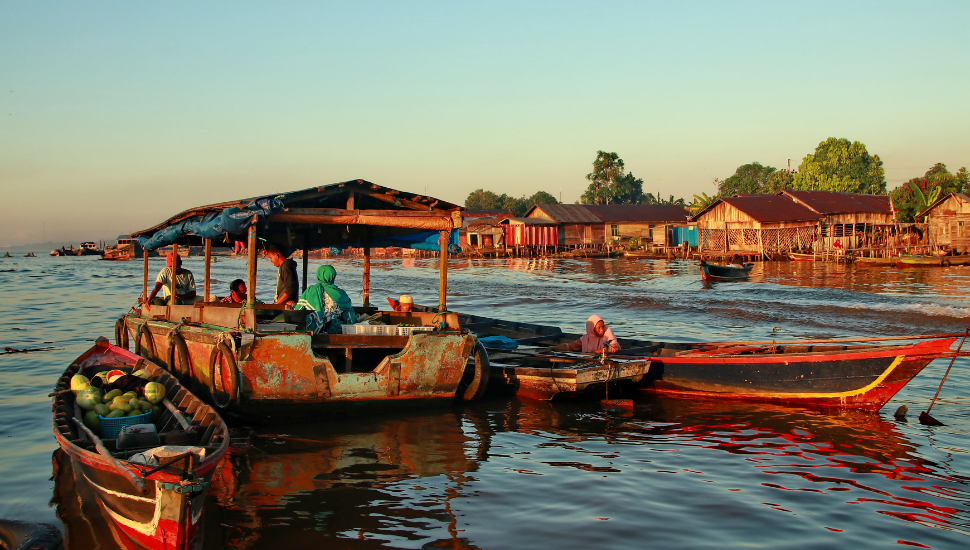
(948, 223)
(652, 224)
(848, 221)
(755, 225)
(481, 231)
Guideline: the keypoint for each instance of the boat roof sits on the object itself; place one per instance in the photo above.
(341, 214)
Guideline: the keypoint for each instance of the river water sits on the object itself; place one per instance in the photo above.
(504, 473)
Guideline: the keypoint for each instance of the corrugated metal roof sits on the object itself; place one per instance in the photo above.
(963, 196)
(647, 213)
(767, 208)
(566, 213)
(530, 221)
(830, 202)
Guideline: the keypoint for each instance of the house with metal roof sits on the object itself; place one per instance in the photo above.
(589, 225)
(755, 225)
(948, 223)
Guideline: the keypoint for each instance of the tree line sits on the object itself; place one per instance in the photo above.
(836, 165)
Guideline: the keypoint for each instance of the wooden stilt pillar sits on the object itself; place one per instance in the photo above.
(365, 292)
(443, 281)
(144, 284)
(251, 265)
(208, 270)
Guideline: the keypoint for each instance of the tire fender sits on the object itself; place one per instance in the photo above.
(121, 333)
(223, 351)
(141, 333)
(476, 374)
(184, 373)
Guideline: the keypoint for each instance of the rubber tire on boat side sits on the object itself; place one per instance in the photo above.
(139, 349)
(479, 383)
(121, 333)
(183, 374)
(223, 350)
(24, 535)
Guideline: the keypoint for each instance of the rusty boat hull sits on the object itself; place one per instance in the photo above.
(167, 513)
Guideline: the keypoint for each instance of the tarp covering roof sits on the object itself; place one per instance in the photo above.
(338, 215)
(831, 202)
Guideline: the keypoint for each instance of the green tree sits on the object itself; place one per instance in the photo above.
(841, 165)
(917, 194)
(481, 198)
(754, 178)
(628, 190)
(607, 170)
(541, 197)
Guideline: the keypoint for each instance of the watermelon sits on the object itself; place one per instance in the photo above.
(114, 375)
(92, 421)
(79, 382)
(154, 392)
(88, 398)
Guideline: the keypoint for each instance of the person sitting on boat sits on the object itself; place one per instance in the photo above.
(331, 306)
(596, 338)
(237, 293)
(404, 303)
(287, 281)
(184, 283)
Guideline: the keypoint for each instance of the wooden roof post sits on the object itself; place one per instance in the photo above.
(306, 258)
(443, 282)
(366, 290)
(208, 268)
(251, 264)
(174, 271)
(144, 284)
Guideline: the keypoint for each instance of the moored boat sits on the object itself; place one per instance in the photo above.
(715, 272)
(151, 494)
(261, 361)
(920, 261)
(821, 374)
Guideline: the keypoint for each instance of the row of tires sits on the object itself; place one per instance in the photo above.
(473, 384)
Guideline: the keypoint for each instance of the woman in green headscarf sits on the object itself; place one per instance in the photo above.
(330, 304)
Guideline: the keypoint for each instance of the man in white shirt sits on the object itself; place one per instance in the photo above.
(184, 283)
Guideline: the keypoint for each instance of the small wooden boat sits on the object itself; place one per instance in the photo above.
(920, 261)
(874, 262)
(546, 377)
(152, 503)
(715, 272)
(640, 255)
(817, 374)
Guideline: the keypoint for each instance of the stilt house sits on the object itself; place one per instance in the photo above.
(755, 225)
(948, 223)
(848, 221)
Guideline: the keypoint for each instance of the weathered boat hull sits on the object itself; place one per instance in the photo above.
(166, 515)
(278, 376)
(571, 381)
(920, 261)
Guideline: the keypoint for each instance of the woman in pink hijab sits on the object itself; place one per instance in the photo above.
(597, 336)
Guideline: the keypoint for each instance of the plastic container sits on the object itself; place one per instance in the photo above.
(138, 436)
(111, 427)
(372, 330)
(406, 331)
(276, 327)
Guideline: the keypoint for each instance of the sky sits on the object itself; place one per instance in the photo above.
(117, 115)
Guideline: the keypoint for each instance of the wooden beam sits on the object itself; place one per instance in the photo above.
(208, 270)
(251, 265)
(175, 271)
(429, 221)
(306, 257)
(144, 285)
(389, 198)
(366, 290)
(443, 280)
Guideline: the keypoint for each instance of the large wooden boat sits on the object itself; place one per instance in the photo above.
(715, 272)
(146, 505)
(247, 365)
(822, 374)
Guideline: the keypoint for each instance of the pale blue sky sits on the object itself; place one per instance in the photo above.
(117, 115)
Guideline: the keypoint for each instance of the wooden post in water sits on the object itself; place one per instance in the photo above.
(366, 290)
(306, 258)
(174, 272)
(144, 284)
(443, 281)
(208, 270)
(251, 265)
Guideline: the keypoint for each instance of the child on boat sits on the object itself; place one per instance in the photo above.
(596, 338)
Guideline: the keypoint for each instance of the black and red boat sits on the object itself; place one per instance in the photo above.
(717, 272)
(149, 497)
(810, 373)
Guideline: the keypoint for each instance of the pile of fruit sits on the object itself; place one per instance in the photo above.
(115, 403)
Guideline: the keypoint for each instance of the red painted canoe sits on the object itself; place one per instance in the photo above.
(144, 505)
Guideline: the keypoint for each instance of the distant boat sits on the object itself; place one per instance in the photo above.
(715, 272)
(29, 255)
(920, 261)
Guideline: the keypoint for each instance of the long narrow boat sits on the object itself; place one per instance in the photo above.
(921, 261)
(819, 375)
(241, 359)
(152, 504)
(715, 272)
(547, 377)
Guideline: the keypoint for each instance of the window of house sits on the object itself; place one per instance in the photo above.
(472, 239)
(615, 231)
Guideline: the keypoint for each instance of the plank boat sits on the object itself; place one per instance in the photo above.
(146, 503)
(248, 364)
(874, 262)
(823, 374)
(715, 272)
(920, 261)
(563, 375)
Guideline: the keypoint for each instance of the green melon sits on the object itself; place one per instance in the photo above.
(88, 398)
(154, 392)
(79, 382)
(92, 421)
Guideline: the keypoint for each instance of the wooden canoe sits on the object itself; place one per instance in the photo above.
(816, 375)
(548, 377)
(715, 272)
(920, 261)
(145, 505)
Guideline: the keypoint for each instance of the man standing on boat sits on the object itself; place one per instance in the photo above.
(184, 282)
(287, 281)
